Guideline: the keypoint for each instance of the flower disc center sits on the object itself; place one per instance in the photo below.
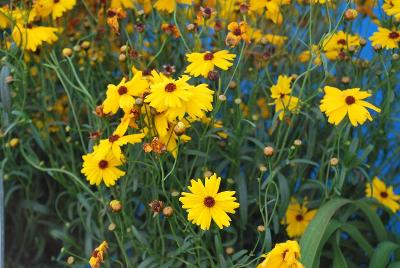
(384, 194)
(208, 56)
(103, 164)
(170, 87)
(122, 90)
(209, 201)
(350, 100)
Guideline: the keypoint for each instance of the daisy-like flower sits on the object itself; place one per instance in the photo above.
(336, 104)
(237, 32)
(297, 218)
(43, 8)
(281, 93)
(122, 95)
(276, 40)
(98, 168)
(283, 255)
(170, 5)
(97, 257)
(273, 9)
(204, 203)
(203, 63)
(383, 194)
(30, 37)
(306, 55)
(124, 4)
(386, 38)
(168, 93)
(337, 45)
(392, 8)
(117, 139)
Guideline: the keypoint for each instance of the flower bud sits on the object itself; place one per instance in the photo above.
(350, 14)
(334, 161)
(13, 142)
(156, 206)
(115, 205)
(260, 228)
(168, 211)
(67, 52)
(180, 128)
(269, 151)
(229, 250)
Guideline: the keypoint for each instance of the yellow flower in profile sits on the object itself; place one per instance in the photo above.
(43, 8)
(282, 87)
(335, 46)
(273, 9)
(237, 32)
(97, 257)
(117, 139)
(281, 93)
(170, 5)
(392, 8)
(204, 203)
(30, 37)
(283, 255)
(122, 95)
(168, 93)
(336, 104)
(276, 40)
(297, 218)
(386, 38)
(98, 168)
(203, 63)
(383, 194)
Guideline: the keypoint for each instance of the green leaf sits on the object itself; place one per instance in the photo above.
(373, 219)
(382, 254)
(311, 239)
(352, 231)
(339, 261)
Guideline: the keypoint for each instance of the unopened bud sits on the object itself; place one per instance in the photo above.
(269, 151)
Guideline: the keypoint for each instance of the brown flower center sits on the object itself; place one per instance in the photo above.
(208, 56)
(384, 194)
(341, 42)
(103, 164)
(350, 100)
(237, 31)
(299, 217)
(394, 35)
(56, 1)
(170, 87)
(113, 138)
(122, 90)
(111, 13)
(209, 201)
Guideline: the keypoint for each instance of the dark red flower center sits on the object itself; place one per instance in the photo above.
(103, 164)
(350, 100)
(111, 13)
(170, 87)
(208, 56)
(384, 194)
(209, 201)
(122, 90)
(299, 217)
(394, 35)
(56, 1)
(113, 138)
(341, 42)
(237, 31)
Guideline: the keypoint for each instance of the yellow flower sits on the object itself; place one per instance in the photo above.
(170, 5)
(170, 140)
(237, 32)
(335, 46)
(203, 63)
(282, 87)
(30, 37)
(122, 95)
(117, 139)
(205, 203)
(392, 8)
(276, 40)
(43, 8)
(306, 55)
(286, 103)
(98, 168)
(386, 38)
(337, 104)
(283, 255)
(97, 257)
(383, 194)
(122, 4)
(281, 93)
(297, 218)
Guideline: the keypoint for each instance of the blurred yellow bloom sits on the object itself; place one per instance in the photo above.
(283, 255)
(297, 218)
(98, 168)
(386, 38)
(281, 93)
(276, 40)
(97, 257)
(203, 63)
(306, 55)
(237, 32)
(122, 4)
(383, 194)
(30, 37)
(392, 8)
(43, 8)
(204, 203)
(336, 104)
(170, 5)
(336, 45)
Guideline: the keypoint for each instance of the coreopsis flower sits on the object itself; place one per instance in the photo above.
(97, 257)
(383, 194)
(281, 93)
(124, 4)
(386, 38)
(276, 40)
(272, 9)
(30, 37)
(113, 15)
(297, 218)
(100, 167)
(203, 63)
(170, 140)
(170, 5)
(118, 139)
(123, 95)
(204, 203)
(392, 8)
(43, 8)
(170, 29)
(336, 104)
(237, 32)
(337, 45)
(5, 13)
(306, 55)
(283, 255)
